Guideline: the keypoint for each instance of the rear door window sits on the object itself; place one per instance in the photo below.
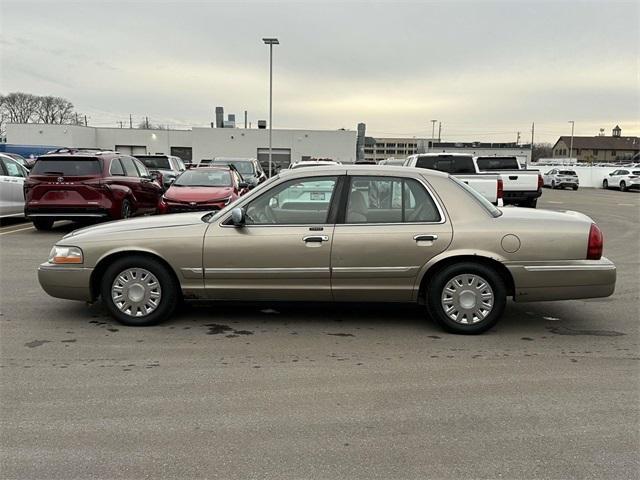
(129, 167)
(116, 168)
(13, 169)
(426, 162)
(70, 167)
(142, 170)
(498, 163)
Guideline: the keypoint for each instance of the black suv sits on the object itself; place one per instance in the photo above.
(249, 168)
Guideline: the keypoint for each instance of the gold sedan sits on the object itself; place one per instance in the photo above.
(344, 234)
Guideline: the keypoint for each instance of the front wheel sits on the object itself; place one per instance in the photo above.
(125, 209)
(575, 187)
(139, 291)
(553, 185)
(623, 186)
(466, 298)
(605, 184)
(43, 223)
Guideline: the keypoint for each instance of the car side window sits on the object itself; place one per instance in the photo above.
(142, 170)
(303, 201)
(389, 200)
(129, 167)
(13, 169)
(623, 172)
(116, 168)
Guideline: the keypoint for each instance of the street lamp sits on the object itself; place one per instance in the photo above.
(573, 124)
(271, 42)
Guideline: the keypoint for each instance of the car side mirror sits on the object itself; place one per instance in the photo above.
(171, 180)
(611, 174)
(237, 216)
(243, 185)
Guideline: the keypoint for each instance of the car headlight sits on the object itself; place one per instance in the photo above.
(62, 255)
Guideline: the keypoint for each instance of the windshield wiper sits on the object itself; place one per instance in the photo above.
(52, 173)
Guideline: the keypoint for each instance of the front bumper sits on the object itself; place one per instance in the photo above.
(64, 281)
(563, 280)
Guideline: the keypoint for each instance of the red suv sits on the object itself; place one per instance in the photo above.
(70, 184)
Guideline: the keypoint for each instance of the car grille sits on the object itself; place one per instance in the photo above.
(188, 208)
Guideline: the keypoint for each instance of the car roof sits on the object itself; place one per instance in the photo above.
(437, 154)
(352, 169)
(79, 153)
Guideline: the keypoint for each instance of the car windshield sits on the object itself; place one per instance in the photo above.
(76, 167)
(490, 207)
(155, 163)
(498, 163)
(245, 168)
(204, 178)
(567, 172)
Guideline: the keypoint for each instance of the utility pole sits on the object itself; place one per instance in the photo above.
(130, 121)
(120, 122)
(85, 120)
(245, 119)
(433, 132)
(573, 123)
(518, 139)
(533, 129)
(439, 131)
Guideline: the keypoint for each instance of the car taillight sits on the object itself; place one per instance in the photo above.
(500, 189)
(540, 182)
(596, 241)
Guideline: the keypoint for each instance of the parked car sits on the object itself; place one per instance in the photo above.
(12, 176)
(561, 179)
(521, 186)
(249, 168)
(25, 162)
(392, 161)
(624, 179)
(463, 167)
(70, 184)
(168, 166)
(313, 163)
(209, 189)
(378, 234)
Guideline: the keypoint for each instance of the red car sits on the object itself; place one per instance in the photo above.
(71, 184)
(207, 188)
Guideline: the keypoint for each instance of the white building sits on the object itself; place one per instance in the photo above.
(195, 144)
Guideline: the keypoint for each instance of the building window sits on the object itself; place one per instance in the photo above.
(613, 154)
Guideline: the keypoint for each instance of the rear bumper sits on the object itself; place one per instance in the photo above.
(66, 213)
(63, 281)
(563, 280)
(515, 197)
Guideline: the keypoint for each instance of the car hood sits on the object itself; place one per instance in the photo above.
(143, 223)
(197, 194)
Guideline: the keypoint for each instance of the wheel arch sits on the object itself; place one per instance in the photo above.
(107, 259)
(488, 261)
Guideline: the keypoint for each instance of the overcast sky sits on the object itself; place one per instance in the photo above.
(485, 69)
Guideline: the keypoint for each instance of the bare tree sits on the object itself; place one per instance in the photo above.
(20, 107)
(55, 110)
(541, 150)
(147, 125)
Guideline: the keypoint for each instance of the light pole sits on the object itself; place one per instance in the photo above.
(433, 131)
(573, 124)
(271, 42)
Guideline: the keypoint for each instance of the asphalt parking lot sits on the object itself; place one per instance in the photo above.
(323, 391)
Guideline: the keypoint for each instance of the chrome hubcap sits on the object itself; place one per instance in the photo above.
(467, 299)
(136, 292)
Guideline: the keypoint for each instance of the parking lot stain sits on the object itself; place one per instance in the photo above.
(216, 329)
(528, 339)
(596, 333)
(341, 334)
(36, 343)
(243, 332)
(113, 330)
(70, 340)
(434, 336)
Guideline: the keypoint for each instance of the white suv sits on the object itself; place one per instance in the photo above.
(624, 179)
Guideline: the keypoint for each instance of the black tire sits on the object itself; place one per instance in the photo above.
(125, 209)
(605, 184)
(169, 290)
(623, 186)
(43, 223)
(575, 187)
(553, 185)
(436, 287)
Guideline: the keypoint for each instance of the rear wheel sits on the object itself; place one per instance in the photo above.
(623, 186)
(139, 291)
(43, 223)
(553, 185)
(605, 184)
(125, 209)
(466, 298)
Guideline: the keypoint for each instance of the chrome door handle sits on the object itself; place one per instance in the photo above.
(316, 238)
(425, 238)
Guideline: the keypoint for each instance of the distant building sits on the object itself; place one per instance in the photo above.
(615, 148)
(382, 148)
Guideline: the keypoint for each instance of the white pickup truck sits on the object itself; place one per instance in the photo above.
(521, 187)
(461, 166)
